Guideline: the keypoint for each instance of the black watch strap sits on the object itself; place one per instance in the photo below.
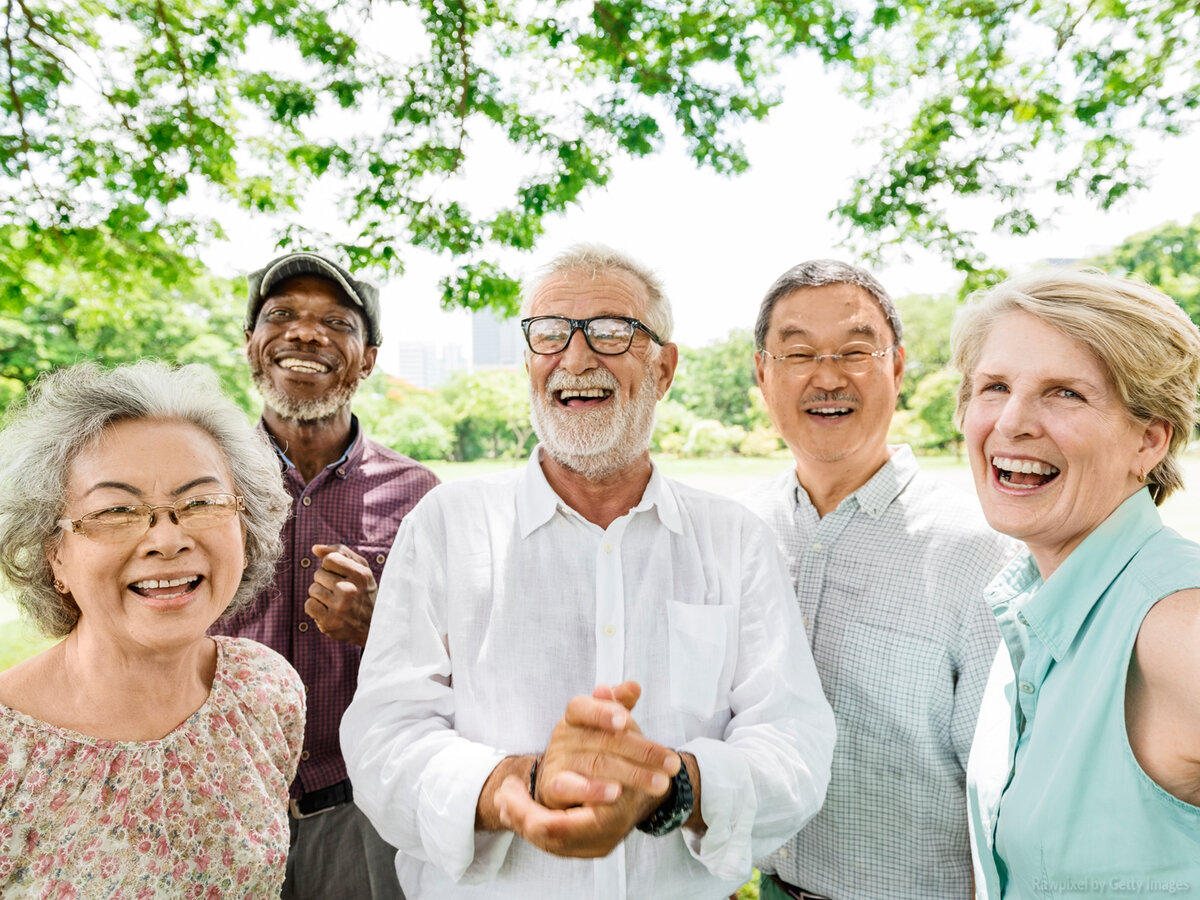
(675, 809)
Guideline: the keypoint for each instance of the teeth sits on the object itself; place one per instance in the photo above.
(153, 583)
(1024, 466)
(592, 393)
(303, 365)
(831, 410)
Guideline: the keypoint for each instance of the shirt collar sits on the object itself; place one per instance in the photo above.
(352, 456)
(537, 502)
(881, 489)
(1057, 611)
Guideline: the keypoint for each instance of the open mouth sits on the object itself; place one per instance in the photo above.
(581, 397)
(1024, 474)
(305, 366)
(166, 589)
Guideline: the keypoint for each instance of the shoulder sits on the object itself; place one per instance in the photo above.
(1168, 651)
(254, 672)
(708, 513)
(385, 462)
(951, 517)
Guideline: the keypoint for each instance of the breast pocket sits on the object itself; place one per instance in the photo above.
(700, 664)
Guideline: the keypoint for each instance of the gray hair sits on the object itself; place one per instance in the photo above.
(69, 410)
(1145, 342)
(596, 259)
(818, 273)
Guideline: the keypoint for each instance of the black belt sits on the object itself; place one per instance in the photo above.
(798, 893)
(319, 801)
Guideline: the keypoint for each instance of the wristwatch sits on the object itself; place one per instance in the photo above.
(675, 809)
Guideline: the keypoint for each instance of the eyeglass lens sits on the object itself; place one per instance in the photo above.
(606, 336)
(123, 522)
(853, 359)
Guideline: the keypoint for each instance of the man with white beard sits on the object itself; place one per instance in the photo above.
(584, 679)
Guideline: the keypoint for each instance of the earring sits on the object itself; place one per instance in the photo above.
(1141, 476)
(59, 586)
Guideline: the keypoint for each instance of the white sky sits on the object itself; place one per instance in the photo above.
(719, 242)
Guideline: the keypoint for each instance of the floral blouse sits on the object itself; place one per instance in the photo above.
(201, 813)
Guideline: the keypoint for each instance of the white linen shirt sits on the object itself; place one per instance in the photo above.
(499, 603)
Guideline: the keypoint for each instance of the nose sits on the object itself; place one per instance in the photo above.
(306, 330)
(577, 356)
(168, 540)
(1018, 418)
(827, 374)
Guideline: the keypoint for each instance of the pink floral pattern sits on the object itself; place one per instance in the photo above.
(200, 814)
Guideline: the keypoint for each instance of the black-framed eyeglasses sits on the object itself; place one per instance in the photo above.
(852, 359)
(125, 523)
(606, 335)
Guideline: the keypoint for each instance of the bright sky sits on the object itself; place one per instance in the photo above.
(719, 242)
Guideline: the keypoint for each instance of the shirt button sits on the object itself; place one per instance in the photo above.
(784, 852)
(608, 548)
(804, 619)
(381, 558)
(304, 754)
(609, 631)
(307, 501)
(817, 547)
(1021, 618)
(305, 563)
(1026, 687)
(341, 472)
(303, 626)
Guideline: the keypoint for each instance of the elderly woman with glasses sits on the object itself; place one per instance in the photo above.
(138, 756)
(1078, 395)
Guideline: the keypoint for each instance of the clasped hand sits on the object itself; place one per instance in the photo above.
(596, 780)
(341, 598)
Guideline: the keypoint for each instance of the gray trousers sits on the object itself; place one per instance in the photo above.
(338, 855)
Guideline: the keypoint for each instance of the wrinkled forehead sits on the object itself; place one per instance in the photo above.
(837, 313)
(581, 294)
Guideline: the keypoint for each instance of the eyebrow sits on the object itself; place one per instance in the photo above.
(130, 489)
(861, 330)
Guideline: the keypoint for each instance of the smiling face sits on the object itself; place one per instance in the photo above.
(835, 424)
(307, 352)
(1053, 450)
(594, 414)
(167, 587)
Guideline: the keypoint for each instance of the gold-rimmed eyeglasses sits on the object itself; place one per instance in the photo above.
(852, 359)
(125, 523)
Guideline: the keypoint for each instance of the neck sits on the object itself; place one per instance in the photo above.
(600, 502)
(829, 482)
(311, 446)
(119, 692)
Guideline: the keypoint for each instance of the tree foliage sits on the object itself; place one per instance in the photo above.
(54, 313)
(1167, 257)
(714, 382)
(1006, 99)
(122, 118)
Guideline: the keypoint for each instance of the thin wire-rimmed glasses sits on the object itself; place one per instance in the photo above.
(125, 523)
(606, 335)
(852, 359)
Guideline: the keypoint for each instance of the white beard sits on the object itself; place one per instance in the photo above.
(600, 442)
(302, 411)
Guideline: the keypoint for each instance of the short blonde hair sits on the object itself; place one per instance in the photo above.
(1146, 343)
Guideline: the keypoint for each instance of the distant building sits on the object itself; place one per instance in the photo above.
(497, 343)
(424, 364)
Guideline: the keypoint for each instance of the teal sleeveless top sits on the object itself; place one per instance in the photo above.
(1067, 811)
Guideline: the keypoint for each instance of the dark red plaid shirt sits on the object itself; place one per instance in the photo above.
(358, 501)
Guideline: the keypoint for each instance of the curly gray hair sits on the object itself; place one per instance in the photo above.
(66, 412)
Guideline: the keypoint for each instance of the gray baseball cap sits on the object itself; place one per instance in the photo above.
(364, 295)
